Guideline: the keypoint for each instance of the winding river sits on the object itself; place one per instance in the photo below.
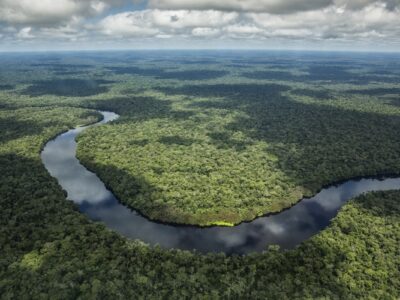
(286, 229)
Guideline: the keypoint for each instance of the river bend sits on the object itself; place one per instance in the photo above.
(286, 229)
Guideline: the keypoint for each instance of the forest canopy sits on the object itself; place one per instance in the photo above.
(215, 147)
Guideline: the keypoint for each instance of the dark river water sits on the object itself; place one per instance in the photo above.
(286, 229)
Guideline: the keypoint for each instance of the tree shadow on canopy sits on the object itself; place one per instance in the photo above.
(315, 144)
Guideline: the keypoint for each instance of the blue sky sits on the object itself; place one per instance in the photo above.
(360, 25)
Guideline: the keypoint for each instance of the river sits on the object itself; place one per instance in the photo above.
(286, 229)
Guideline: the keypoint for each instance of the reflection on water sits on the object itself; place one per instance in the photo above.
(286, 229)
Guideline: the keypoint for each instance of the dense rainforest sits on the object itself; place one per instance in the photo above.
(224, 138)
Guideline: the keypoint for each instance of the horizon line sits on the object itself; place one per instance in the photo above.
(201, 50)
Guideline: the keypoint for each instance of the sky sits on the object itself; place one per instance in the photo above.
(356, 25)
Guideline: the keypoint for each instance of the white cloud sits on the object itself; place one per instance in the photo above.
(205, 32)
(243, 29)
(29, 11)
(360, 4)
(25, 33)
(68, 32)
(271, 6)
(267, 6)
(152, 22)
(48, 11)
(372, 21)
(191, 18)
(98, 6)
(129, 24)
(331, 22)
(223, 21)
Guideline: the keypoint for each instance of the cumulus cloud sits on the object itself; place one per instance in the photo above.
(48, 11)
(25, 33)
(267, 6)
(129, 24)
(153, 22)
(243, 29)
(191, 18)
(67, 32)
(332, 22)
(271, 6)
(206, 32)
(360, 4)
(165, 21)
